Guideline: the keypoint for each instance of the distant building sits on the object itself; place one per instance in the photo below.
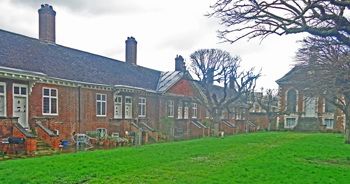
(303, 113)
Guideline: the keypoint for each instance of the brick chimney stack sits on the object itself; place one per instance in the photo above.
(179, 64)
(47, 18)
(131, 50)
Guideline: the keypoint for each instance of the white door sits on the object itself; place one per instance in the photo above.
(20, 104)
(310, 107)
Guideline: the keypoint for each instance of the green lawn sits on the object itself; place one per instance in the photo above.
(247, 158)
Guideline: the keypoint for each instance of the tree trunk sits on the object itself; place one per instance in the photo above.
(216, 129)
(347, 130)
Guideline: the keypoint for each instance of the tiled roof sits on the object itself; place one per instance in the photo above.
(56, 61)
(219, 91)
(167, 79)
(287, 78)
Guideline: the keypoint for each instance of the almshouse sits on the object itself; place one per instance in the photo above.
(52, 91)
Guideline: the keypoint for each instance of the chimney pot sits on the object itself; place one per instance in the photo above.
(47, 23)
(131, 50)
(179, 63)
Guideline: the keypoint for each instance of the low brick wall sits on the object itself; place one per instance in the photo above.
(49, 137)
(195, 131)
(30, 142)
(229, 130)
(8, 129)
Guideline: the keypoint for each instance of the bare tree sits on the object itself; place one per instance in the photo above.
(211, 65)
(326, 73)
(269, 102)
(261, 18)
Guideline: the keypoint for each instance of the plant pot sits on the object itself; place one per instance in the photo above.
(93, 141)
(114, 143)
(107, 143)
(100, 143)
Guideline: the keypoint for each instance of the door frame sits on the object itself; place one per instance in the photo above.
(21, 96)
(306, 105)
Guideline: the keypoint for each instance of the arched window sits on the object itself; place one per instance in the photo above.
(292, 101)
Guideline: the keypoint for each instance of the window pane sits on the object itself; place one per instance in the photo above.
(46, 105)
(291, 100)
(46, 92)
(143, 110)
(98, 97)
(103, 97)
(53, 92)
(16, 90)
(2, 106)
(103, 108)
(23, 91)
(140, 113)
(2, 89)
(53, 105)
(98, 108)
(127, 100)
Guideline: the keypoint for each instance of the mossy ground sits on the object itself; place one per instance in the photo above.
(247, 158)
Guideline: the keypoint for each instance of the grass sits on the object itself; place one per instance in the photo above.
(247, 158)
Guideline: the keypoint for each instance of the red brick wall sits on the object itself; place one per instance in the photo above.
(6, 128)
(228, 130)
(195, 131)
(182, 87)
(260, 119)
(30, 143)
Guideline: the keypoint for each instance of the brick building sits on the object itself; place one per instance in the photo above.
(303, 113)
(51, 91)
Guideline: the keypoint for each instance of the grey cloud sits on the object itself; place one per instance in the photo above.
(90, 7)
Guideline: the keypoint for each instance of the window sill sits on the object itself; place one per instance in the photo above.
(50, 114)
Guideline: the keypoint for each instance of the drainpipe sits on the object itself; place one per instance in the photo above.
(79, 89)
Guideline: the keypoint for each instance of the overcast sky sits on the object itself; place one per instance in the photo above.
(162, 28)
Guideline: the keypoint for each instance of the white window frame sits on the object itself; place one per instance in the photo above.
(290, 126)
(142, 104)
(118, 104)
(329, 127)
(194, 110)
(179, 110)
(3, 95)
(170, 108)
(186, 110)
(101, 105)
(50, 97)
(233, 113)
(207, 114)
(129, 116)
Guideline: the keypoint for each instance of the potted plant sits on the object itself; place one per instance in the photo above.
(93, 137)
(107, 141)
(114, 141)
(119, 140)
(167, 124)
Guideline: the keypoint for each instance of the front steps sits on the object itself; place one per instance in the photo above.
(43, 147)
(308, 124)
